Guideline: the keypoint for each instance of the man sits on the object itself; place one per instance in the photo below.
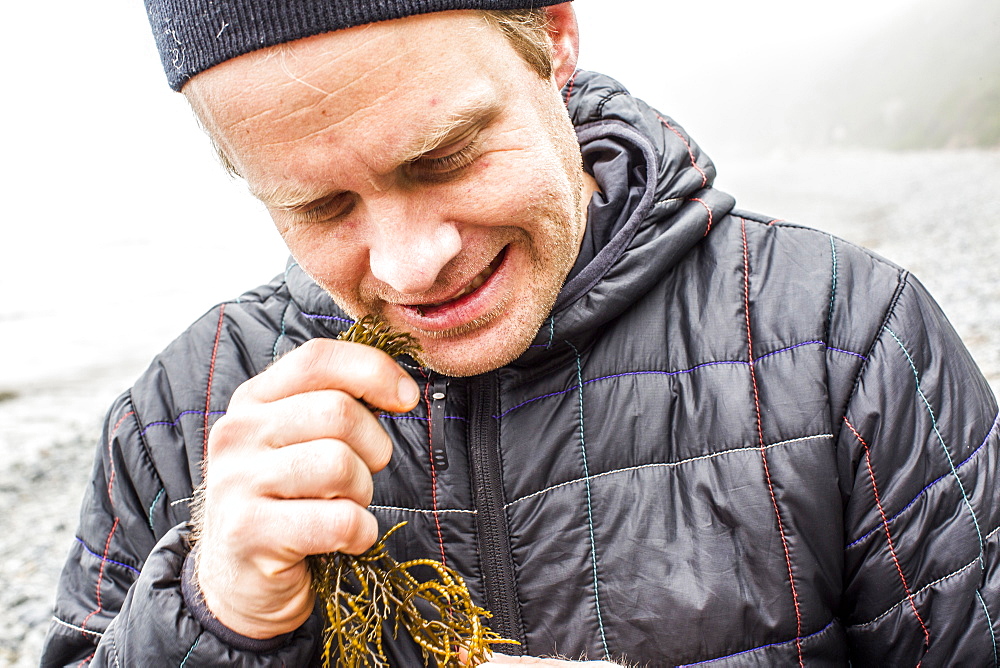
(646, 428)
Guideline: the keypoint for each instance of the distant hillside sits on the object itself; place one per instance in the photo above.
(930, 80)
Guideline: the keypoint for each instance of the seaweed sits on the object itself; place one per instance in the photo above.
(369, 595)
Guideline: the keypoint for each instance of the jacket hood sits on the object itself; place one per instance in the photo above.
(677, 209)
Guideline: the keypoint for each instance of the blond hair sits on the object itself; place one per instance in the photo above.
(528, 32)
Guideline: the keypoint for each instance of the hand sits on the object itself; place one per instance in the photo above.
(288, 475)
(503, 660)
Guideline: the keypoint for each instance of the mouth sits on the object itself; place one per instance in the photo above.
(460, 305)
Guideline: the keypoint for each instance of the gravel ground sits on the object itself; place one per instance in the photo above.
(937, 213)
(47, 455)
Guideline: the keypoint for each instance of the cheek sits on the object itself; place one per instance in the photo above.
(334, 259)
(506, 187)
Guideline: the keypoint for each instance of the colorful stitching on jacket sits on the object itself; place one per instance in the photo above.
(211, 376)
(104, 558)
(177, 421)
(281, 332)
(757, 649)
(152, 506)
(708, 227)
(434, 479)
(996, 422)
(320, 316)
(687, 144)
(676, 373)
(569, 88)
(763, 449)
(657, 465)
(989, 625)
(918, 592)
(937, 432)
(191, 651)
(888, 534)
(114, 526)
(590, 506)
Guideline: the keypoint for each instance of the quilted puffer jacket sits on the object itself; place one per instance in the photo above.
(735, 441)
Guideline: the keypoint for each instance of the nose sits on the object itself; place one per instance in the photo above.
(410, 244)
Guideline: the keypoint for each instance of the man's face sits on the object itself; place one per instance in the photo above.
(418, 170)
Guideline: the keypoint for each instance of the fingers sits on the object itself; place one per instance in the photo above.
(289, 475)
(324, 469)
(277, 534)
(323, 414)
(252, 572)
(320, 364)
(309, 526)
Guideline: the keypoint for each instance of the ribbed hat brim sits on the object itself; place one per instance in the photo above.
(194, 35)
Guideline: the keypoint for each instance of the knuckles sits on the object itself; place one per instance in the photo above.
(348, 420)
(230, 431)
(310, 363)
(239, 503)
(381, 453)
(340, 413)
(356, 528)
(320, 364)
(322, 361)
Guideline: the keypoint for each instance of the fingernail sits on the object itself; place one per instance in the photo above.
(409, 393)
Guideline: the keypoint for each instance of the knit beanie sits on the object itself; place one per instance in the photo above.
(194, 35)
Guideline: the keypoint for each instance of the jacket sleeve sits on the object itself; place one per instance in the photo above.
(918, 450)
(119, 600)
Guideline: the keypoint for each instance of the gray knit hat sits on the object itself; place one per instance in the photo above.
(194, 35)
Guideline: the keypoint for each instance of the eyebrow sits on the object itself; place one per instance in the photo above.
(287, 197)
(477, 111)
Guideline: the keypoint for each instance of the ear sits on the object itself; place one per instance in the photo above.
(565, 37)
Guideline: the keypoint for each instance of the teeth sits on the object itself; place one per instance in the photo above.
(478, 281)
(474, 284)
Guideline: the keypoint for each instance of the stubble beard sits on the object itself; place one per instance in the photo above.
(554, 263)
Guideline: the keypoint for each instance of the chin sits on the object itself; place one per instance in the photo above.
(465, 367)
(484, 348)
(471, 358)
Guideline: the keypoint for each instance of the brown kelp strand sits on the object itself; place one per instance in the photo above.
(373, 332)
(368, 596)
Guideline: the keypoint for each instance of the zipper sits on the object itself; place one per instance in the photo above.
(439, 451)
(495, 559)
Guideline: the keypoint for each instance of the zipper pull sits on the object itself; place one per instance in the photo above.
(439, 454)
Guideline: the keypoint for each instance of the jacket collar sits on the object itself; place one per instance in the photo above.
(675, 213)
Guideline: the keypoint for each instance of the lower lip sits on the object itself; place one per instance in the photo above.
(463, 310)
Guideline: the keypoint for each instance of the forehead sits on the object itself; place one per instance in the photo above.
(373, 88)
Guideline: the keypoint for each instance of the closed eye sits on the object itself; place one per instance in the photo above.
(448, 161)
(324, 210)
